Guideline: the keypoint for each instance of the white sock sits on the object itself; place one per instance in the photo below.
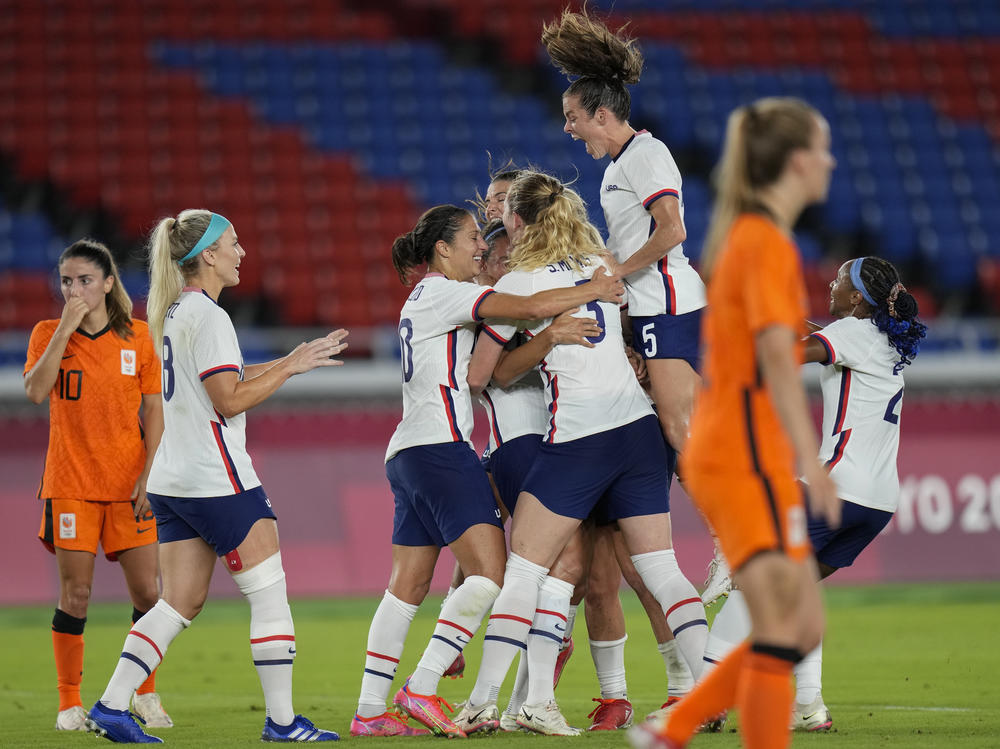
(460, 618)
(144, 648)
(570, 621)
(545, 638)
(680, 681)
(609, 660)
(520, 691)
(451, 590)
(809, 676)
(272, 635)
(386, 637)
(507, 631)
(730, 627)
(679, 601)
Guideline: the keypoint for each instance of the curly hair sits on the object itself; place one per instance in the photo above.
(895, 310)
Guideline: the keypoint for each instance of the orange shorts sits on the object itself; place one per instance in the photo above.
(750, 513)
(80, 524)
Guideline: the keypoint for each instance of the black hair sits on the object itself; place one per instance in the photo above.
(416, 247)
(895, 311)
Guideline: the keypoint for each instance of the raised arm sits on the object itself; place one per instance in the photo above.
(602, 286)
(230, 396)
(816, 351)
(41, 378)
(776, 357)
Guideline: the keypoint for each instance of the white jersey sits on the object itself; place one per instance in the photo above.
(516, 410)
(587, 390)
(201, 453)
(642, 173)
(862, 401)
(437, 328)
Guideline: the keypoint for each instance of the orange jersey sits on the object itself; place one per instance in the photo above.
(757, 283)
(96, 450)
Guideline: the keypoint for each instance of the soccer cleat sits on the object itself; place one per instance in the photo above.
(719, 581)
(148, 707)
(610, 715)
(812, 717)
(484, 719)
(301, 729)
(457, 668)
(714, 725)
(661, 714)
(646, 736)
(386, 724)
(119, 726)
(545, 719)
(72, 719)
(508, 723)
(428, 710)
(564, 653)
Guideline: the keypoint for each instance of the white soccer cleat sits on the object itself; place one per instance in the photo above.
(508, 723)
(71, 719)
(719, 581)
(546, 719)
(483, 719)
(812, 717)
(148, 707)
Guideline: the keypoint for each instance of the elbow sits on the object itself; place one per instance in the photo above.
(476, 385)
(36, 398)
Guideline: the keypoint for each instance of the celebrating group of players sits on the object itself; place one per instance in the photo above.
(586, 357)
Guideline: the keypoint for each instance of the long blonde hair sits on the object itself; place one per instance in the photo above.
(172, 239)
(760, 137)
(116, 301)
(555, 224)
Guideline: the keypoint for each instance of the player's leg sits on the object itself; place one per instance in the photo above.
(673, 384)
(76, 573)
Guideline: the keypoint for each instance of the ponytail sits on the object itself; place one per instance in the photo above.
(760, 137)
(414, 249)
(171, 240)
(894, 311)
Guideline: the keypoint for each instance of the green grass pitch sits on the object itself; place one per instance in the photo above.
(905, 666)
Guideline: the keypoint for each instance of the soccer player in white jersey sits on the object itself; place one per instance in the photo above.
(602, 443)
(442, 495)
(209, 503)
(876, 333)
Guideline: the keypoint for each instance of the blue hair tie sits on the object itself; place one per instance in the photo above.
(858, 283)
(216, 227)
(495, 233)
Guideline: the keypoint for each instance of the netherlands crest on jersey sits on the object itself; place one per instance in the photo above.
(128, 362)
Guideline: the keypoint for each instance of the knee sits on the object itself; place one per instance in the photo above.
(145, 597)
(409, 589)
(568, 570)
(635, 581)
(76, 597)
(812, 631)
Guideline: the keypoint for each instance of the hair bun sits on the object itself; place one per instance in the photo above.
(905, 306)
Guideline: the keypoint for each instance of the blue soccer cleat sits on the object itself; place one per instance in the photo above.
(119, 726)
(301, 729)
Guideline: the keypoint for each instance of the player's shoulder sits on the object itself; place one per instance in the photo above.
(44, 328)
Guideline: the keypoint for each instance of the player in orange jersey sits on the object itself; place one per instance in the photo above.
(97, 367)
(751, 433)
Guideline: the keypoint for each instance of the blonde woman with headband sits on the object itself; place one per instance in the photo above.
(208, 501)
(603, 452)
(97, 367)
(751, 433)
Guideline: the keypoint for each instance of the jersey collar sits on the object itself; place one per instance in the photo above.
(627, 144)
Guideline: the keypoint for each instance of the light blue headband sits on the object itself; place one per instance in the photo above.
(215, 229)
(858, 283)
(495, 233)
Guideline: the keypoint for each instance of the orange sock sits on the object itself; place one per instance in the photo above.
(717, 692)
(764, 698)
(68, 650)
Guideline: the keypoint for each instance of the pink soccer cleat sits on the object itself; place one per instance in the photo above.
(610, 715)
(428, 710)
(561, 660)
(386, 724)
(457, 668)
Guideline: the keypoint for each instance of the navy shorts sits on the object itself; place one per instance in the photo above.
(669, 337)
(839, 547)
(440, 491)
(223, 522)
(624, 468)
(509, 465)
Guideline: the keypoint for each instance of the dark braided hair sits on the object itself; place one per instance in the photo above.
(895, 310)
(416, 247)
